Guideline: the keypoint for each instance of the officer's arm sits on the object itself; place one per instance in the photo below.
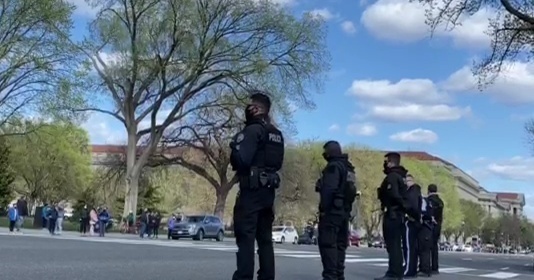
(395, 191)
(247, 147)
(330, 183)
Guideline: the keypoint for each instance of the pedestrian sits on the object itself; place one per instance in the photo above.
(103, 219)
(60, 218)
(22, 208)
(257, 154)
(151, 223)
(93, 216)
(411, 226)
(13, 215)
(337, 191)
(425, 239)
(52, 218)
(130, 219)
(157, 223)
(170, 226)
(144, 220)
(44, 216)
(391, 195)
(437, 214)
(84, 220)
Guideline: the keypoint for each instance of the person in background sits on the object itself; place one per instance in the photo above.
(103, 219)
(170, 225)
(93, 216)
(44, 215)
(60, 218)
(52, 219)
(13, 215)
(130, 220)
(151, 223)
(22, 207)
(84, 220)
(145, 219)
(157, 223)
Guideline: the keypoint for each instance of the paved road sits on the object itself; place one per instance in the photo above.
(36, 255)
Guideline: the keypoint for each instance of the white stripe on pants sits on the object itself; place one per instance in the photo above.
(407, 241)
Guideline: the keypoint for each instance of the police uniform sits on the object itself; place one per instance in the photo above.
(337, 190)
(437, 212)
(411, 228)
(391, 195)
(425, 238)
(257, 154)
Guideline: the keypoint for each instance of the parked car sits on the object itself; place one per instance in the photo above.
(306, 240)
(376, 243)
(354, 239)
(281, 234)
(199, 227)
(467, 248)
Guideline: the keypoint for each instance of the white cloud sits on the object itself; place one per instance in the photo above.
(365, 129)
(334, 127)
(83, 8)
(514, 85)
(406, 100)
(104, 129)
(348, 27)
(417, 112)
(517, 168)
(404, 21)
(418, 135)
(324, 13)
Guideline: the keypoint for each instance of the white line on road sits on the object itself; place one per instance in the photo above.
(365, 260)
(455, 269)
(381, 264)
(505, 268)
(500, 275)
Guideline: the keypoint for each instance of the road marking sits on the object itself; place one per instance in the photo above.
(505, 268)
(500, 275)
(455, 269)
(302, 256)
(381, 264)
(467, 259)
(365, 260)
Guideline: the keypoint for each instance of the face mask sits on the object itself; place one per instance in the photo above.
(250, 112)
(326, 156)
(385, 165)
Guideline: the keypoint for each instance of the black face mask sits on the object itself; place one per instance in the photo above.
(249, 112)
(385, 165)
(326, 156)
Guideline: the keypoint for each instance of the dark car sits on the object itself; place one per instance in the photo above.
(199, 227)
(305, 238)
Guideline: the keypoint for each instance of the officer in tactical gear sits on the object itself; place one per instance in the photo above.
(257, 155)
(413, 201)
(437, 214)
(425, 238)
(391, 195)
(337, 189)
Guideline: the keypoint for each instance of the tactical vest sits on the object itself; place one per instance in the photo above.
(348, 186)
(271, 149)
(425, 211)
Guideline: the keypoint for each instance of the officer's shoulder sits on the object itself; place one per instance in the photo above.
(254, 128)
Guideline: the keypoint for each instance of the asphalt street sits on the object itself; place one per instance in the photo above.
(36, 255)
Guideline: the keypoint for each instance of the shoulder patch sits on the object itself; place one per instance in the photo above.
(240, 137)
(389, 186)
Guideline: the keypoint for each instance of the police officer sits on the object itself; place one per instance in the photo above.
(390, 194)
(437, 209)
(257, 154)
(425, 238)
(337, 189)
(412, 224)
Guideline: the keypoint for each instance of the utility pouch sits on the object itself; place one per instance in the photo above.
(264, 180)
(254, 178)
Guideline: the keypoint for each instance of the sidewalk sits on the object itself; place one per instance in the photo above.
(43, 232)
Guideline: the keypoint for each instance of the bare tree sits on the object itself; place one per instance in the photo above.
(155, 61)
(511, 29)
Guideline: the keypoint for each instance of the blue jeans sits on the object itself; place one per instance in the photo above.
(142, 230)
(101, 228)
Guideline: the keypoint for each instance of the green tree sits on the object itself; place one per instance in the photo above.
(53, 162)
(489, 231)
(165, 56)
(38, 70)
(6, 176)
(511, 30)
(474, 215)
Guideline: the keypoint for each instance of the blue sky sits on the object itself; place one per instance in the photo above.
(393, 87)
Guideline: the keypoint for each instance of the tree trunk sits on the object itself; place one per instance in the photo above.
(220, 203)
(132, 176)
